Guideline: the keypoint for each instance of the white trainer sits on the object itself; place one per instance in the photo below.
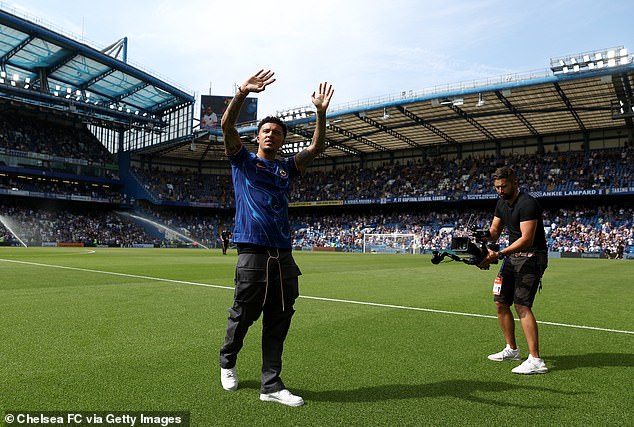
(229, 378)
(532, 365)
(507, 354)
(284, 397)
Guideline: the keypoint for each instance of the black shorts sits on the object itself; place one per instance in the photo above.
(521, 278)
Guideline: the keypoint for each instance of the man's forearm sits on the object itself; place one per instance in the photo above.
(304, 157)
(229, 119)
(319, 136)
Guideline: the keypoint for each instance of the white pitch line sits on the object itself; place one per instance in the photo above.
(114, 273)
(344, 301)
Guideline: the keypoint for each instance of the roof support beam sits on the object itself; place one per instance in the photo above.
(564, 98)
(624, 94)
(425, 124)
(135, 89)
(329, 143)
(16, 49)
(388, 130)
(49, 70)
(356, 137)
(517, 114)
(473, 122)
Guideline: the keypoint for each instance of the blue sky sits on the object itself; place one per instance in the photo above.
(366, 48)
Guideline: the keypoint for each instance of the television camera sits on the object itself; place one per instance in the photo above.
(470, 249)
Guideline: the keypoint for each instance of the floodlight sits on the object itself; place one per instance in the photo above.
(611, 62)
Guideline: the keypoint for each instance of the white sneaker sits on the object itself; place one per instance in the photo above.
(284, 397)
(507, 354)
(229, 378)
(532, 365)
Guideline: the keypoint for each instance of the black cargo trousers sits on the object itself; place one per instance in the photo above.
(265, 282)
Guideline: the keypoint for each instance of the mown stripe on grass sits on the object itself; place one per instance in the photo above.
(373, 304)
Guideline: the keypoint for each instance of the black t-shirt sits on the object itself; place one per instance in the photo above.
(524, 208)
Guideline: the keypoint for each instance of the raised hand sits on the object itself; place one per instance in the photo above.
(258, 82)
(321, 99)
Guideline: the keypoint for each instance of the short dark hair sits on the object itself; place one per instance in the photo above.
(505, 172)
(273, 119)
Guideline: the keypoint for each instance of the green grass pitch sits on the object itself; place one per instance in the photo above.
(377, 340)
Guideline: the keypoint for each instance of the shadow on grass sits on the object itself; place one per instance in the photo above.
(461, 389)
(590, 360)
(250, 384)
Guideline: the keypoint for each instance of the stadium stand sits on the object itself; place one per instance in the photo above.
(88, 158)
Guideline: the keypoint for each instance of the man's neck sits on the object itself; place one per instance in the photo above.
(266, 156)
(512, 200)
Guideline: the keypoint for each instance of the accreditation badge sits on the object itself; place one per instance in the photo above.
(497, 285)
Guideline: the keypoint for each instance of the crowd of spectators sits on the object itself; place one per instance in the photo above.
(37, 226)
(187, 186)
(553, 171)
(60, 188)
(606, 229)
(24, 133)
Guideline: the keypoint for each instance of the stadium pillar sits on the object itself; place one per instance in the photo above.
(586, 142)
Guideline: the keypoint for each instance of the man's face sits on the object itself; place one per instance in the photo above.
(506, 188)
(270, 137)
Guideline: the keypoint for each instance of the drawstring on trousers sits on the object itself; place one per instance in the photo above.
(279, 266)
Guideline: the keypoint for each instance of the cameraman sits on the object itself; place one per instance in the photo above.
(523, 264)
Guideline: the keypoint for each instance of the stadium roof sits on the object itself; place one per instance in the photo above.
(43, 67)
(563, 99)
